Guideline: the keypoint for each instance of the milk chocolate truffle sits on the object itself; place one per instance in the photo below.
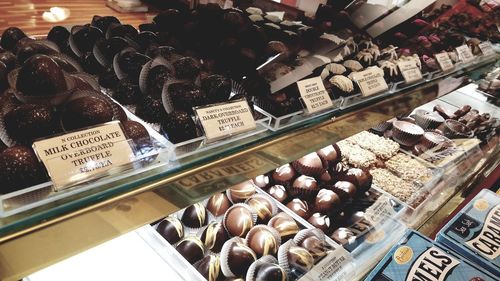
(27, 122)
(362, 179)
(238, 220)
(299, 207)
(300, 259)
(209, 267)
(284, 174)
(310, 165)
(214, 236)
(191, 248)
(195, 216)
(179, 126)
(267, 271)
(311, 240)
(263, 240)
(136, 131)
(241, 192)
(285, 225)
(278, 192)
(327, 201)
(262, 181)
(345, 190)
(86, 111)
(304, 186)
(263, 207)
(218, 204)
(41, 76)
(330, 155)
(236, 258)
(171, 229)
(320, 221)
(19, 168)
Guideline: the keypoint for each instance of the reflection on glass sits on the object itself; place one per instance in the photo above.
(56, 14)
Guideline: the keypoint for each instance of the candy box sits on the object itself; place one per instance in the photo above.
(416, 258)
(475, 231)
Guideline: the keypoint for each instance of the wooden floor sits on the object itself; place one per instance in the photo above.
(27, 15)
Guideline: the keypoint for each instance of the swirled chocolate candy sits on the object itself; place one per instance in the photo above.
(236, 258)
(86, 111)
(191, 248)
(285, 225)
(299, 207)
(214, 236)
(263, 207)
(209, 267)
(238, 220)
(19, 168)
(300, 259)
(195, 216)
(218, 204)
(41, 76)
(263, 240)
(267, 271)
(320, 221)
(171, 229)
(241, 192)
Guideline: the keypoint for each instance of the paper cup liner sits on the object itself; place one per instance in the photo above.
(380, 128)
(238, 205)
(307, 170)
(405, 133)
(72, 66)
(85, 81)
(251, 270)
(224, 255)
(454, 129)
(143, 76)
(428, 120)
(432, 139)
(290, 231)
(262, 215)
(262, 227)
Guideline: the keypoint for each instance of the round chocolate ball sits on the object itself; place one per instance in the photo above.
(218, 204)
(171, 229)
(127, 92)
(300, 259)
(329, 155)
(285, 225)
(156, 79)
(86, 111)
(327, 201)
(361, 178)
(187, 68)
(191, 248)
(299, 207)
(151, 110)
(40, 75)
(59, 35)
(217, 88)
(320, 221)
(316, 247)
(262, 206)
(267, 271)
(9, 59)
(136, 131)
(195, 216)
(214, 236)
(108, 79)
(10, 37)
(209, 267)
(304, 186)
(309, 165)
(185, 96)
(104, 22)
(263, 240)
(345, 190)
(238, 220)
(19, 168)
(236, 257)
(28, 122)
(262, 181)
(284, 174)
(343, 236)
(278, 192)
(241, 192)
(179, 127)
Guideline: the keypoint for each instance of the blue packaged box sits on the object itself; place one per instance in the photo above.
(475, 231)
(417, 258)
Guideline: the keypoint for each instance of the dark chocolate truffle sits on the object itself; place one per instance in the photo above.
(310, 165)
(10, 37)
(284, 175)
(241, 192)
(127, 92)
(179, 127)
(19, 168)
(345, 190)
(214, 236)
(330, 155)
(299, 207)
(191, 248)
(86, 111)
(285, 225)
(267, 271)
(28, 122)
(236, 258)
(151, 110)
(263, 240)
(59, 35)
(136, 131)
(361, 178)
(9, 59)
(187, 68)
(185, 96)
(304, 186)
(238, 220)
(217, 88)
(195, 216)
(218, 204)
(171, 229)
(156, 79)
(209, 267)
(327, 201)
(300, 259)
(41, 76)
(263, 207)
(278, 192)
(320, 221)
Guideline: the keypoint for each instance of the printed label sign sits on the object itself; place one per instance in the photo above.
(314, 94)
(370, 81)
(336, 266)
(486, 48)
(410, 71)
(380, 211)
(444, 61)
(81, 155)
(464, 53)
(227, 119)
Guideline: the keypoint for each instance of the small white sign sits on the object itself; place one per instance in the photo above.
(314, 95)
(380, 211)
(464, 53)
(410, 71)
(486, 48)
(444, 61)
(336, 266)
(371, 81)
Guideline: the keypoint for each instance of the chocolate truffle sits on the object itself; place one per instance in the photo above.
(179, 127)
(299, 207)
(263, 240)
(341, 86)
(10, 37)
(284, 174)
(191, 248)
(27, 122)
(304, 186)
(217, 88)
(285, 225)
(278, 192)
(309, 165)
(136, 131)
(238, 220)
(218, 204)
(314, 242)
(263, 207)
(9, 59)
(266, 271)
(40, 75)
(209, 267)
(262, 181)
(86, 111)
(320, 221)
(241, 192)
(300, 259)
(330, 155)
(185, 96)
(345, 190)
(186, 68)
(171, 229)
(236, 258)
(327, 201)
(127, 92)
(343, 236)
(19, 168)
(156, 79)
(360, 178)
(214, 236)
(195, 216)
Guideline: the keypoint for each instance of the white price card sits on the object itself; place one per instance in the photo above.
(444, 61)
(223, 120)
(464, 53)
(486, 48)
(371, 81)
(335, 266)
(75, 157)
(314, 95)
(410, 71)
